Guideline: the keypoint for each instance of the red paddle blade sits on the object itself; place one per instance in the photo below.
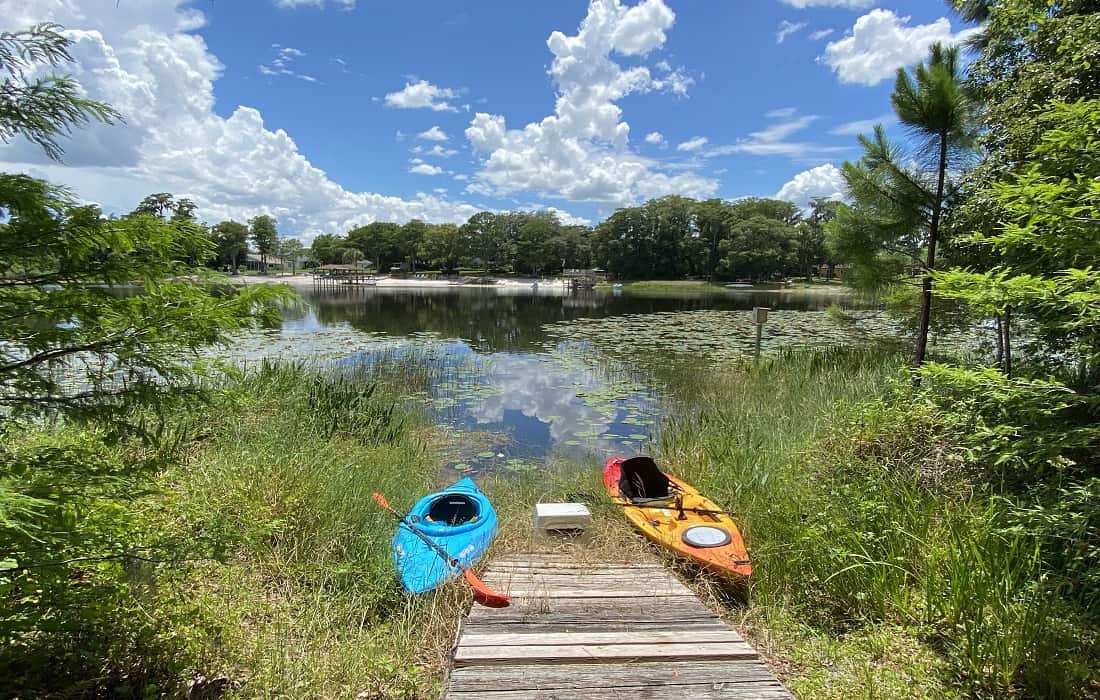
(482, 593)
(381, 500)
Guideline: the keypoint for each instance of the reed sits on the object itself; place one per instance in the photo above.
(861, 515)
(305, 602)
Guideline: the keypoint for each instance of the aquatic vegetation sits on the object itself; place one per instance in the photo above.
(719, 336)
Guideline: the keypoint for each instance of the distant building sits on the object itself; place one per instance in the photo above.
(253, 261)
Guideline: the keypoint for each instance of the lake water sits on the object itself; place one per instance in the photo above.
(530, 375)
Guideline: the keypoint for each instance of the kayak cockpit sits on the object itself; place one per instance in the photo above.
(453, 509)
(640, 480)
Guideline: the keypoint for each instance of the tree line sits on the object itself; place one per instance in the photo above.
(667, 238)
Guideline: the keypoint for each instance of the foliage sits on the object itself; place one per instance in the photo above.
(1022, 429)
(1046, 246)
(530, 243)
(289, 250)
(231, 241)
(810, 247)
(74, 340)
(255, 558)
(1064, 514)
(264, 235)
(42, 108)
(1027, 229)
(897, 209)
(757, 248)
(377, 242)
(99, 318)
(866, 513)
(328, 249)
(1033, 52)
(163, 205)
(677, 237)
(443, 244)
(668, 238)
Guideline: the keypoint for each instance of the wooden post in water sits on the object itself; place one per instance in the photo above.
(759, 318)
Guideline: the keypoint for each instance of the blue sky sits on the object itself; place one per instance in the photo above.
(332, 113)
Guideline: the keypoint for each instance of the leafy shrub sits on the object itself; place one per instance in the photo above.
(1021, 429)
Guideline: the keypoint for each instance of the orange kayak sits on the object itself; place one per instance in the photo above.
(674, 515)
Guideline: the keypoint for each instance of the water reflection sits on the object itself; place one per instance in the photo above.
(510, 320)
(509, 373)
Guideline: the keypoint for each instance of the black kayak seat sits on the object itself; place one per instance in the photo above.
(452, 509)
(641, 481)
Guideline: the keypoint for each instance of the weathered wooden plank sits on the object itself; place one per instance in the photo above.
(536, 592)
(624, 618)
(563, 574)
(633, 636)
(574, 564)
(657, 609)
(687, 627)
(549, 653)
(754, 691)
(597, 675)
(585, 589)
(625, 578)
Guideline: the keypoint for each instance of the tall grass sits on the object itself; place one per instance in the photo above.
(265, 565)
(860, 511)
(306, 603)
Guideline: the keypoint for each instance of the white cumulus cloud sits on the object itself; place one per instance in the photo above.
(433, 134)
(850, 4)
(862, 126)
(436, 150)
(581, 152)
(655, 138)
(787, 28)
(281, 64)
(425, 169)
(149, 64)
(825, 181)
(774, 139)
(292, 4)
(692, 144)
(423, 95)
(881, 42)
(568, 219)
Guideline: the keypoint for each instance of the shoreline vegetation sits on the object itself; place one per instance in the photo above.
(882, 557)
(431, 280)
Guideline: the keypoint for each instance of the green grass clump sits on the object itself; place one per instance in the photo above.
(269, 569)
(866, 519)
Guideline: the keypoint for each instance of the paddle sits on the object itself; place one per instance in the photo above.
(702, 511)
(588, 497)
(482, 593)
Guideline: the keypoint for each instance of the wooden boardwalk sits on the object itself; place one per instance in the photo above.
(599, 631)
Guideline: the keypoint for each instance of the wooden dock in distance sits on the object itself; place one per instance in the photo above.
(601, 632)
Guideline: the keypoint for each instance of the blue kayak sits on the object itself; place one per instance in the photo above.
(459, 519)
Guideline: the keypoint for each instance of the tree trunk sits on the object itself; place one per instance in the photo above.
(1007, 330)
(930, 262)
(999, 341)
(712, 258)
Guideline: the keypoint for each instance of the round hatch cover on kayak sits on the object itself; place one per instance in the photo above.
(706, 536)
